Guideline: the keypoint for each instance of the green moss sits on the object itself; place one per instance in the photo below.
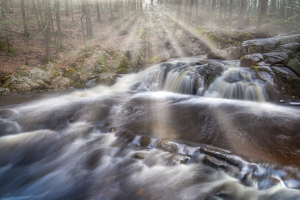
(122, 71)
(255, 67)
(101, 64)
(154, 59)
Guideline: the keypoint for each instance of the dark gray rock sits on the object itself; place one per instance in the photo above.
(251, 60)
(221, 154)
(276, 58)
(215, 163)
(294, 64)
(140, 155)
(168, 145)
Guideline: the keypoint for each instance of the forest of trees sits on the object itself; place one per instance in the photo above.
(41, 19)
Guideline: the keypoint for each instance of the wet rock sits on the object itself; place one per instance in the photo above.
(290, 82)
(275, 58)
(213, 162)
(4, 91)
(108, 78)
(218, 54)
(211, 71)
(168, 145)
(267, 44)
(286, 47)
(91, 83)
(22, 70)
(250, 60)
(164, 57)
(20, 88)
(140, 155)
(71, 74)
(123, 71)
(294, 64)
(145, 141)
(61, 83)
(221, 154)
(247, 180)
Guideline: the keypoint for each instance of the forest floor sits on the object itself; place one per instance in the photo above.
(110, 34)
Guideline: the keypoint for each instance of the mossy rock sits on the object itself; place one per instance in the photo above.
(71, 74)
(101, 64)
(22, 70)
(294, 64)
(79, 85)
(122, 71)
(160, 58)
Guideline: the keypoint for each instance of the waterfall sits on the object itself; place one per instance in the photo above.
(236, 84)
(179, 81)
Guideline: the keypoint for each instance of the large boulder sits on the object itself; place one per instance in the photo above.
(106, 79)
(218, 54)
(4, 92)
(267, 44)
(9, 80)
(45, 76)
(289, 81)
(101, 64)
(294, 64)
(210, 71)
(20, 88)
(276, 58)
(71, 74)
(251, 60)
(163, 57)
(36, 84)
(22, 70)
(61, 83)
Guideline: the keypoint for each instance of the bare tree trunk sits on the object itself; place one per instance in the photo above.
(221, 12)
(67, 7)
(26, 32)
(82, 29)
(197, 20)
(48, 39)
(6, 30)
(89, 21)
(58, 23)
(98, 11)
(36, 14)
(213, 13)
(291, 7)
(273, 6)
(262, 13)
(230, 15)
(178, 13)
(72, 11)
(282, 8)
(242, 13)
(187, 19)
(6, 6)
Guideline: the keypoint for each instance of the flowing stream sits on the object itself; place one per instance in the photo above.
(163, 133)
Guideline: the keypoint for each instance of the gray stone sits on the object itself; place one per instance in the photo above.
(218, 54)
(20, 88)
(91, 83)
(61, 83)
(275, 58)
(267, 44)
(251, 60)
(46, 76)
(168, 145)
(11, 80)
(215, 163)
(294, 64)
(33, 84)
(50, 66)
(160, 58)
(139, 155)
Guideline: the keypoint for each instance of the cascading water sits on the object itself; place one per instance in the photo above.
(236, 84)
(133, 141)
